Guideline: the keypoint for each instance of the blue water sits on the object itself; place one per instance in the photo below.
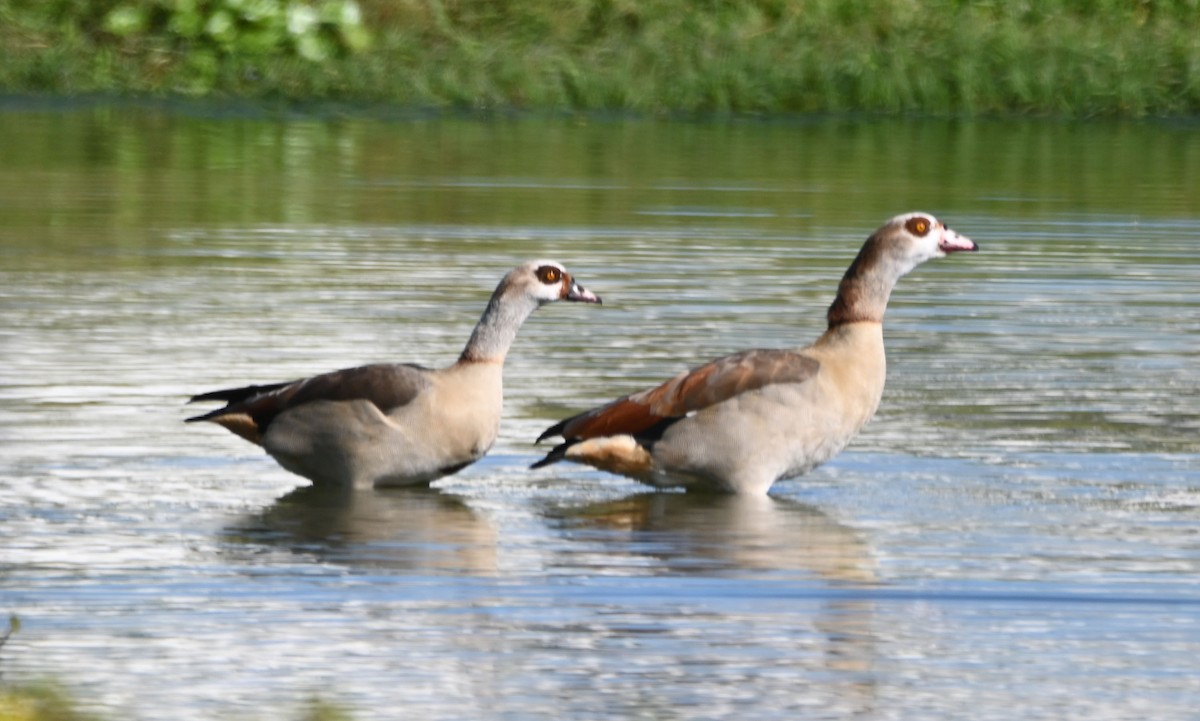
(1016, 535)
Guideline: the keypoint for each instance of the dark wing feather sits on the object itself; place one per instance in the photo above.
(234, 395)
(388, 386)
(648, 412)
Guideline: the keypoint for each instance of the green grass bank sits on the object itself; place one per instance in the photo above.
(941, 57)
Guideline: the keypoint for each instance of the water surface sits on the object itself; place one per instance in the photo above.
(1016, 535)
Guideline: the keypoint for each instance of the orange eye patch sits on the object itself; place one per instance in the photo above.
(548, 274)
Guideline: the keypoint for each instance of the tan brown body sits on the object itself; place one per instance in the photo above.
(740, 423)
(395, 424)
(450, 424)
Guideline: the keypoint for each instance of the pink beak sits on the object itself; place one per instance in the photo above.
(952, 242)
(580, 294)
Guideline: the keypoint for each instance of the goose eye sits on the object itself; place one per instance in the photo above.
(917, 226)
(549, 275)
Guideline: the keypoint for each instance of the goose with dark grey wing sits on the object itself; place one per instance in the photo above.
(394, 424)
(740, 423)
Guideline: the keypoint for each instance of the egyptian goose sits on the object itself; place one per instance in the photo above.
(392, 424)
(742, 422)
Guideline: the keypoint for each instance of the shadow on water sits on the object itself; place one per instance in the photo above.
(421, 530)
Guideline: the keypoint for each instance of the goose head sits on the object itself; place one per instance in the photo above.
(898, 246)
(546, 281)
(910, 239)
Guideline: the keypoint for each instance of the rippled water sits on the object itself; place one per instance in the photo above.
(1016, 535)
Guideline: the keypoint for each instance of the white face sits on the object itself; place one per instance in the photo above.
(547, 281)
(931, 238)
(551, 281)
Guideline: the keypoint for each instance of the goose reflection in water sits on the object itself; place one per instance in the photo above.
(759, 537)
(417, 529)
(702, 533)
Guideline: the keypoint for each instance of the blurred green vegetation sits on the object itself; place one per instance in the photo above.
(1051, 57)
(50, 702)
(39, 703)
(47, 701)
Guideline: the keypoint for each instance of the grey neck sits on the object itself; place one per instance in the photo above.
(497, 328)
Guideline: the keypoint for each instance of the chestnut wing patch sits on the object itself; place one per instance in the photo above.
(388, 386)
(650, 411)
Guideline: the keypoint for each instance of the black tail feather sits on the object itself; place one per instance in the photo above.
(556, 454)
(236, 395)
(555, 430)
(206, 416)
(231, 397)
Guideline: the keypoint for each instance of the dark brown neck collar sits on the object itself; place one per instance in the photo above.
(863, 293)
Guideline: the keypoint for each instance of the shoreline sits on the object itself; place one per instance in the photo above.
(886, 58)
